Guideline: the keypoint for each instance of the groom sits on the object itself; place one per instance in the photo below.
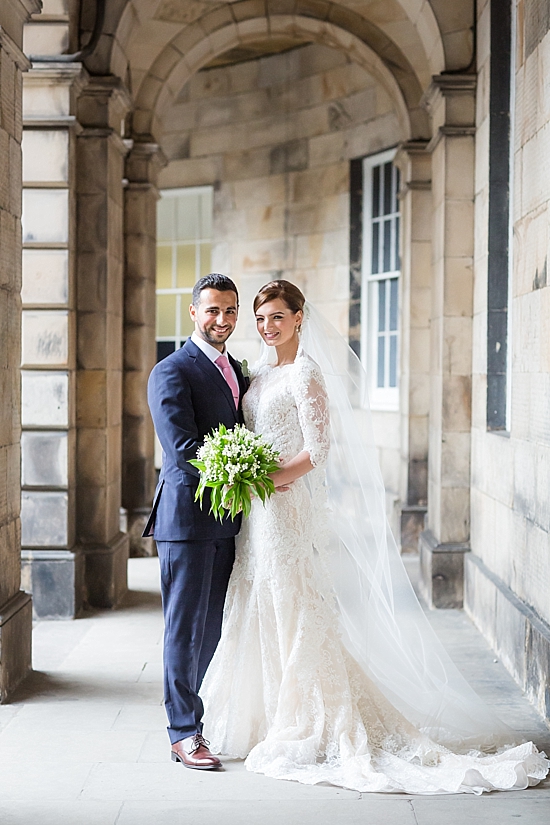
(190, 393)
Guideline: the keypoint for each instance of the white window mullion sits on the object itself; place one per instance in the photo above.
(377, 345)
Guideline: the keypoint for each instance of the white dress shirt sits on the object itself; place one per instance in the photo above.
(212, 353)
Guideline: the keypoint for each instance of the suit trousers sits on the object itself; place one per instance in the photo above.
(194, 579)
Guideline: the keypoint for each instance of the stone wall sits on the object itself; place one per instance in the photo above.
(508, 572)
(15, 605)
(275, 137)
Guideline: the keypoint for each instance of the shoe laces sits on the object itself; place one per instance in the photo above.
(199, 741)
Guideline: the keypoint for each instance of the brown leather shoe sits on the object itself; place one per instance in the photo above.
(193, 753)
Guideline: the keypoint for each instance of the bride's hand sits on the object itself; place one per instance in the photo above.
(279, 480)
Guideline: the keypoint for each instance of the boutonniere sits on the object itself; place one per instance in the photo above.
(244, 368)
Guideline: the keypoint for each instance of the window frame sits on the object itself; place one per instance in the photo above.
(381, 398)
(179, 338)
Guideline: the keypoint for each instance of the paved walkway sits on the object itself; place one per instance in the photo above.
(85, 744)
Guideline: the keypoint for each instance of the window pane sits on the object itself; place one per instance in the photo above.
(382, 305)
(166, 316)
(186, 324)
(45, 276)
(45, 215)
(186, 265)
(393, 360)
(387, 246)
(45, 337)
(397, 264)
(205, 227)
(387, 188)
(393, 303)
(375, 191)
(45, 155)
(44, 398)
(380, 370)
(44, 519)
(206, 259)
(165, 219)
(187, 218)
(44, 459)
(375, 248)
(164, 267)
(396, 189)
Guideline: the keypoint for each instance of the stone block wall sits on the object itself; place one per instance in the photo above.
(274, 137)
(15, 605)
(508, 573)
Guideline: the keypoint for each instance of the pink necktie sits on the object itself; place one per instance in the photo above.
(225, 367)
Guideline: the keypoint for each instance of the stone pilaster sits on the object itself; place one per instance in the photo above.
(414, 163)
(52, 563)
(15, 604)
(100, 298)
(451, 103)
(138, 446)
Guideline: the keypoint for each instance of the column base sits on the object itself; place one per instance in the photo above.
(56, 580)
(106, 572)
(412, 524)
(139, 546)
(15, 643)
(441, 571)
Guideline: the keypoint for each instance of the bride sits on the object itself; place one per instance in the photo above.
(327, 670)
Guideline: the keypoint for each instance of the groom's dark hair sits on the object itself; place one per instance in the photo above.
(213, 281)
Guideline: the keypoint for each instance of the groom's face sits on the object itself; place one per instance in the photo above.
(215, 316)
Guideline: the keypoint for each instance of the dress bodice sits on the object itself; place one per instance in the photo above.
(288, 406)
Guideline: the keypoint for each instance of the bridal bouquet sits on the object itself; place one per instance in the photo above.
(235, 464)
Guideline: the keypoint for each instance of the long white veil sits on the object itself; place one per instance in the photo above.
(382, 623)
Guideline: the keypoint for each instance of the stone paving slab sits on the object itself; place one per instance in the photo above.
(84, 742)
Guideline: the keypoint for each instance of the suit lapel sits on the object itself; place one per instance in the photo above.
(213, 373)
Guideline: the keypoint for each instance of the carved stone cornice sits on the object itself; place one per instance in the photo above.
(451, 101)
(103, 104)
(143, 164)
(444, 85)
(413, 160)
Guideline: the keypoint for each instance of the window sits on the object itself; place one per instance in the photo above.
(380, 276)
(184, 243)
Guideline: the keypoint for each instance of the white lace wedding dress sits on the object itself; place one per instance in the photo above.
(282, 691)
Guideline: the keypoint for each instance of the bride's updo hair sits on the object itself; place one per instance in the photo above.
(287, 292)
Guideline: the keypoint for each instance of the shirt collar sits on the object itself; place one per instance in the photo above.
(211, 352)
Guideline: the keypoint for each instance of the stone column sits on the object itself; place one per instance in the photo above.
(138, 446)
(100, 295)
(451, 103)
(414, 163)
(15, 605)
(52, 563)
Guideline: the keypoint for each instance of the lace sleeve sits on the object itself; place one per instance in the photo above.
(311, 399)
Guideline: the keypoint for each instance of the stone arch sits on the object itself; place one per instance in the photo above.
(215, 33)
(423, 31)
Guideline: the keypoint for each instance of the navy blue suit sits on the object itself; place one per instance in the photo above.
(188, 398)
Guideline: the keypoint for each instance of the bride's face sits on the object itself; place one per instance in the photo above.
(276, 323)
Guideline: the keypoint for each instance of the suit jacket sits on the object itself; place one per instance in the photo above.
(188, 398)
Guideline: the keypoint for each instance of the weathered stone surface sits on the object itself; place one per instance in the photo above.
(15, 606)
(442, 568)
(56, 580)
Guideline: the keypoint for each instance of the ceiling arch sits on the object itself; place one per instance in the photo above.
(238, 23)
(407, 34)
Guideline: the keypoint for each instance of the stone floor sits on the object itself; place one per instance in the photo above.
(84, 742)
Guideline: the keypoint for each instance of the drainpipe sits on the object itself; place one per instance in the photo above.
(86, 50)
